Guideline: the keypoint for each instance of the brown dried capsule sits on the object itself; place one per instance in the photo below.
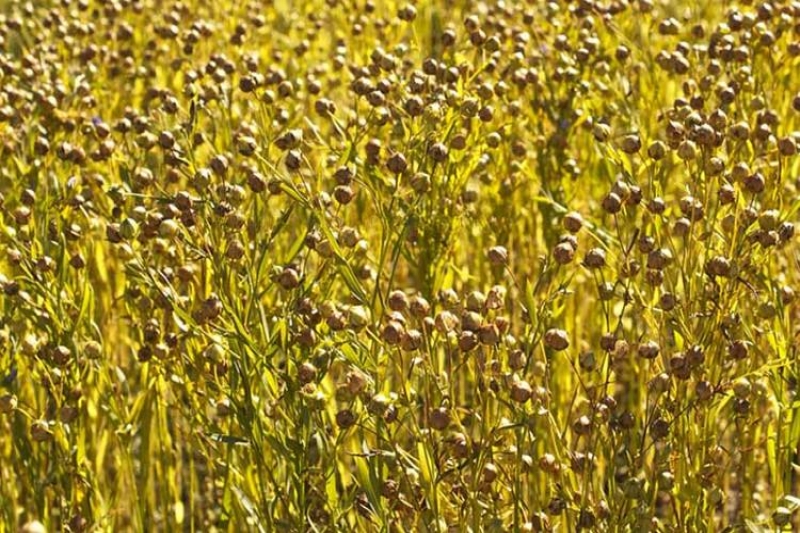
(397, 163)
(345, 418)
(659, 259)
(8, 402)
(738, 349)
(419, 307)
(787, 146)
(343, 194)
(467, 341)
(439, 418)
(393, 333)
(657, 150)
(556, 339)
(718, 266)
(498, 255)
(649, 350)
(438, 152)
(521, 391)
(612, 203)
(630, 144)
(572, 222)
(595, 258)
(755, 183)
(564, 253)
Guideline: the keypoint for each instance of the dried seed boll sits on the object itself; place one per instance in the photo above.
(445, 322)
(393, 333)
(667, 301)
(397, 163)
(556, 339)
(646, 243)
(471, 321)
(606, 291)
(601, 132)
(692, 208)
(496, 297)
(467, 341)
(414, 106)
(612, 203)
(549, 464)
(768, 220)
(659, 259)
(475, 301)
(489, 334)
(219, 164)
(572, 222)
(8, 403)
(498, 255)
(659, 384)
(439, 419)
(563, 253)
(657, 206)
(343, 175)
(40, 431)
(586, 519)
(411, 340)
(345, 419)
(438, 152)
(787, 146)
(343, 194)
(648, 350)
(419, 307)
(517, 360)
(714, 166)
(687, 150)
(657, 150)
(719, 266)
(398, 301)
(786, 231)
(595, 258)
(726, 194)
(703, 390)
(582, 425)
(742, 388)
(489, 473)
(738, 349)
(630, 144)
(741, 406)
(293, 159)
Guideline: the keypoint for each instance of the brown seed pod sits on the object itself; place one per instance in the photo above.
(630, 144)
(738, 349)
(498, 255)
(572, 222)
(397, 163)
(556, 339)
(564, 253)
(649, 350)
(595, 258)
(439, 418)
(345, 418)
(521, 391)
(718, 266)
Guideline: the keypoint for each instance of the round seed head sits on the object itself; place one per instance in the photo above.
(556, 339)
(439, 418)
(649, 350)
(521, 391)
(595, 258)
